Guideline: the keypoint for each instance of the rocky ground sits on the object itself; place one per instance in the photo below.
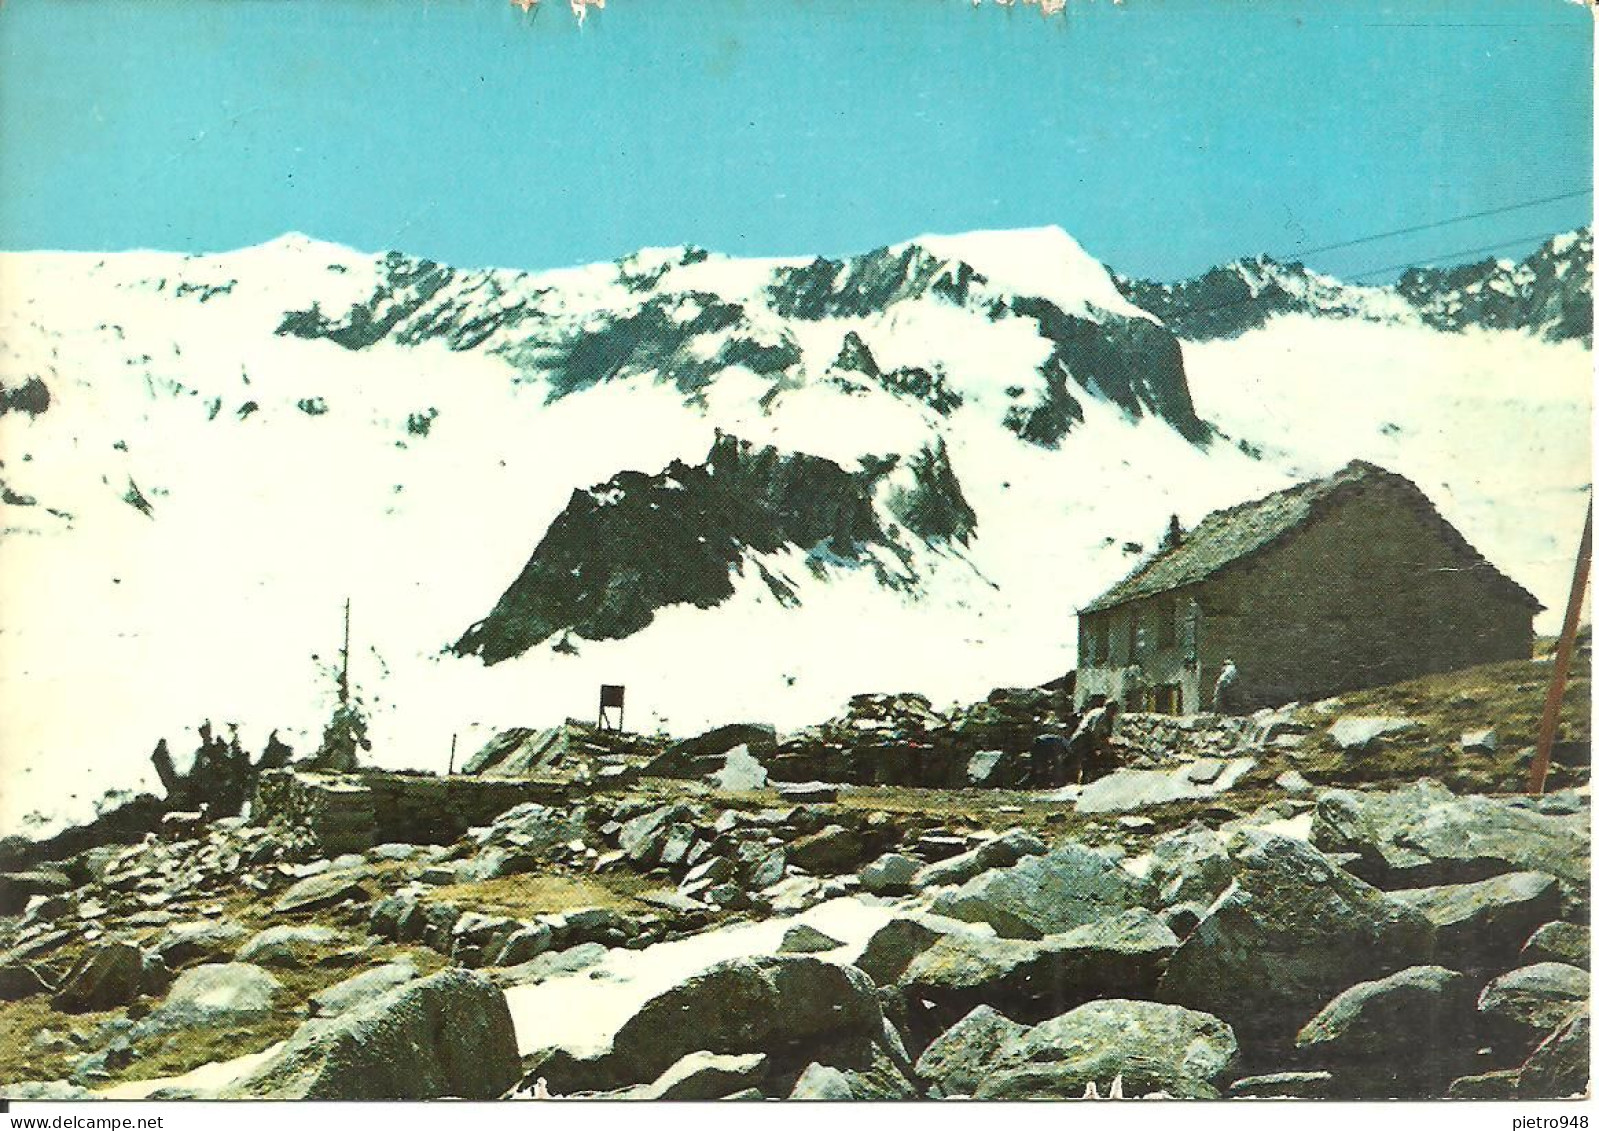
(1340, 900)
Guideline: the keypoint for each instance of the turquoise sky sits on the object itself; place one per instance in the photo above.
(1166, 135)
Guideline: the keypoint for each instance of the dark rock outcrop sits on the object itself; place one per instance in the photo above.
(1121, 955)
(1524, 1006)
(627, 547)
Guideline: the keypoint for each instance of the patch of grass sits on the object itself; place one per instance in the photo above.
(171, 1054)
(21, 1021)
(1507, 698)
(528, 894)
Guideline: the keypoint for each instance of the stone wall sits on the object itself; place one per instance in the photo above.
(1367, 595)
(334, 810)
(351, 812)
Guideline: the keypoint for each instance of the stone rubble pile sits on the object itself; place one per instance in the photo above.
(1333, 943)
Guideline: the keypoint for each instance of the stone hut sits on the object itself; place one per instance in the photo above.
(1350, 581)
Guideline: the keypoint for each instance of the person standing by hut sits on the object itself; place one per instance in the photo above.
(1227, 699)
(1088, 751)
(1133, 688)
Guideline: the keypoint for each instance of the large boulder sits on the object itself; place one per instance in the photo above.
(1192, 866)
(475, 935)
(552, 964)
(1000, 852)
(895, 945)
(531, 828)
(587, 924)
(449, 1035)
(1406, 1035)
(357, 990)
(958, 1060)
(219, 993)
(890, 874)
(523, 944)
(794, 1008)
(20, 979)
(1483, 925)
(828, 851)
(643, 837)
(1426, 835)
(108, 974)
(1559, 1067)
(287, 945)
(1044, 895)
(1292, 931)
(1030, 979)
(1558, 941)
(1527, 1004)
(960, 971)
(1152, 1046)
(326, 889)
(802, 938)
(996, 769)
(182, 943)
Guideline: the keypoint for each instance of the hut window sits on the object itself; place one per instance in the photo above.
(1096, 642)
(1167, 621)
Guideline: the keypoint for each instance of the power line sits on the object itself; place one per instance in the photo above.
(1390, 234)
(1573, 195)
(1443, 260)
(1173, 315)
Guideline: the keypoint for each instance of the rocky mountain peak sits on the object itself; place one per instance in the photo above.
(1548, 294)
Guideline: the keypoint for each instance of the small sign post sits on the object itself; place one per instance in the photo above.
(611, 697)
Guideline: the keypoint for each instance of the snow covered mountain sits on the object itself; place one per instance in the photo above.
(1550, 294)
(743, 488)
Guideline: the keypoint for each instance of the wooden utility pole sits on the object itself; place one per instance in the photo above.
(344, 658)
(451, 772)
(1568, 643)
